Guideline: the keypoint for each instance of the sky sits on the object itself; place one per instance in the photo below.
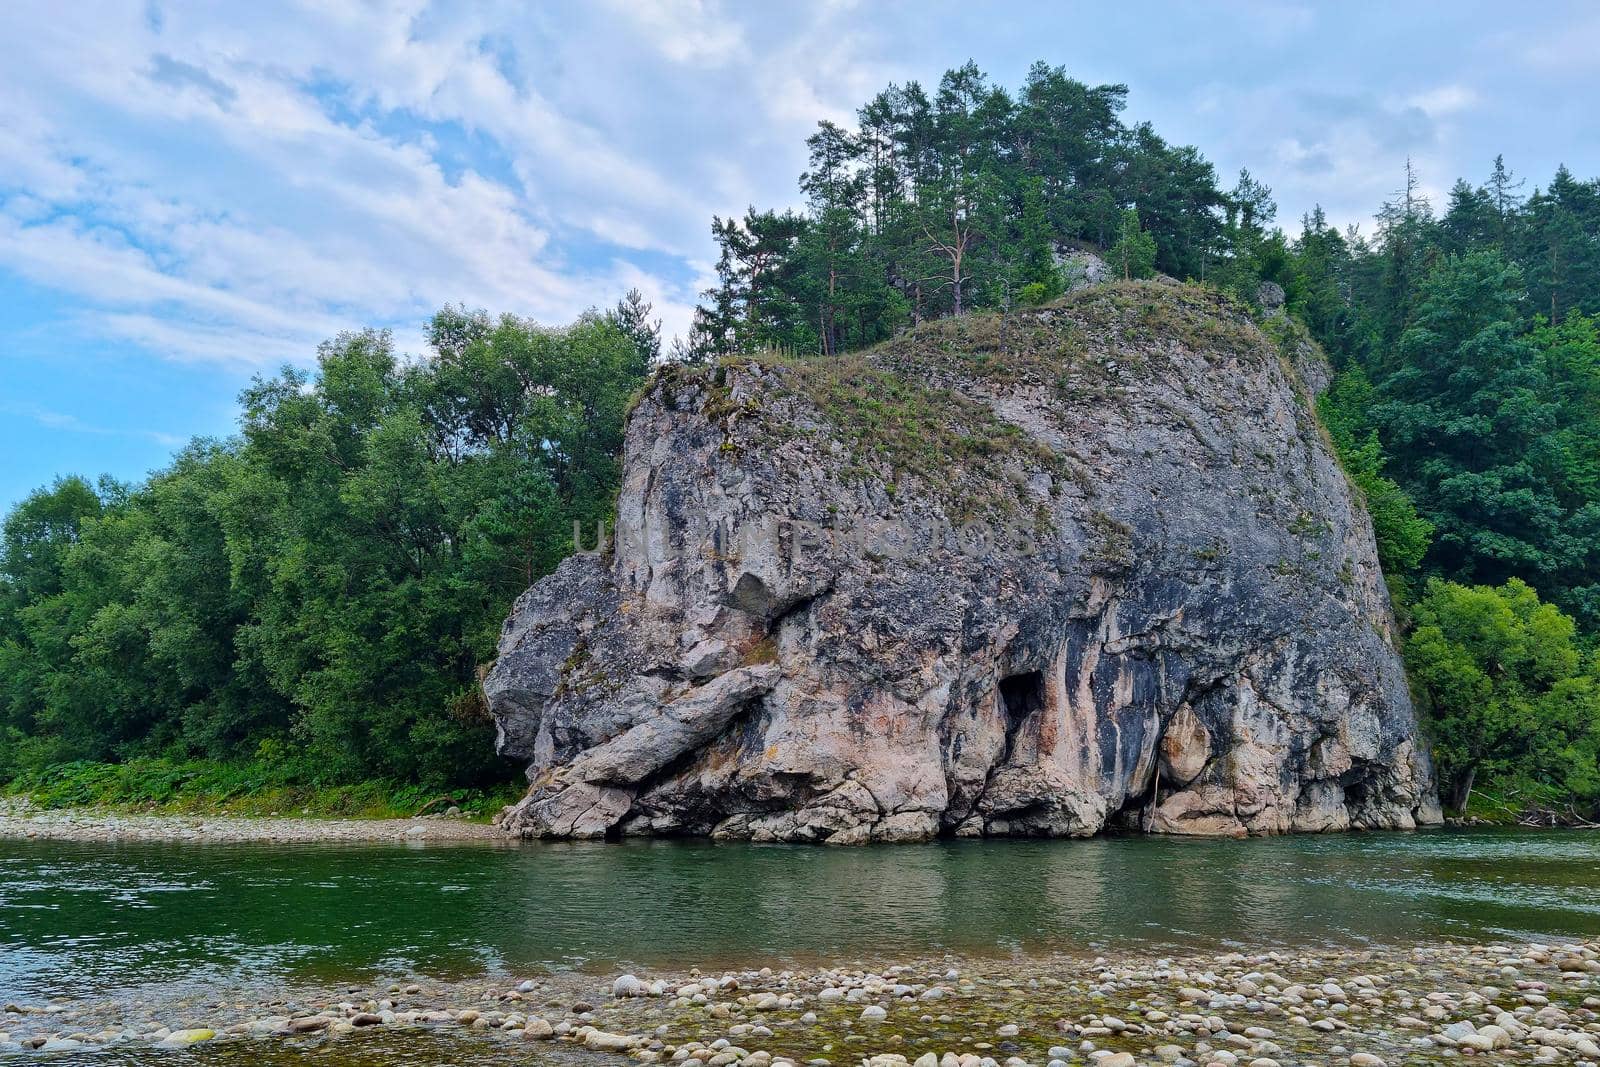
(192, 194)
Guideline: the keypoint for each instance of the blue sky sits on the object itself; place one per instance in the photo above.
(194, 193)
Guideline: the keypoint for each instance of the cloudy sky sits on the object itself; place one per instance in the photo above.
(193, 193)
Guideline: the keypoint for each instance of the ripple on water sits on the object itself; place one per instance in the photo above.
(153, 915)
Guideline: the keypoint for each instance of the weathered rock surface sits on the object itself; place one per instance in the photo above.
(1083, 566)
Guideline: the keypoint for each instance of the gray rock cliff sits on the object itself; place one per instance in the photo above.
(1086, 566)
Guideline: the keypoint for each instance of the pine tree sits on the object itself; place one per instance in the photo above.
(632, 316)
(1034, 250)
(1502, 191)
(1134, 253)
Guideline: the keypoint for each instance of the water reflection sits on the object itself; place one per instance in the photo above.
(143, 915)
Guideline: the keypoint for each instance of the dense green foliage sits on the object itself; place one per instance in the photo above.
(312, 599)
(943, 202)
(262, 786)
(1133, 254)
(1514, 696)
(1403, 536)
(1467, 408)
(1483, 408)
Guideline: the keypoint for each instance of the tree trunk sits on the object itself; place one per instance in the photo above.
(956, 277)
(1461, 789)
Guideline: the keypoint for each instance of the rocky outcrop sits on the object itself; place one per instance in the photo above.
(1084, 566)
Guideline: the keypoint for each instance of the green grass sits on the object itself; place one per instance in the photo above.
(899, 426)
(908, 414)
(208, 787)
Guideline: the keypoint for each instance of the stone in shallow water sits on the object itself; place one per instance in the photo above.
(59, 1044)
(601, 1041)
(189, 1037)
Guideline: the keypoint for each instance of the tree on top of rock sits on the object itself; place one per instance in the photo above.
(1134, 253)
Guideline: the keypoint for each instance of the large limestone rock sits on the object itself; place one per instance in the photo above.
(1084, 566)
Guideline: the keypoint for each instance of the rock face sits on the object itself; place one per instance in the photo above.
(1080, 269)
(1084, 566)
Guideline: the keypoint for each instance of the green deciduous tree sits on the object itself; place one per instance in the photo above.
(1512, 697)
(330, 581)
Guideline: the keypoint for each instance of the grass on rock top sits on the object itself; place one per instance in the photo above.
(903, 411)
(898, 427)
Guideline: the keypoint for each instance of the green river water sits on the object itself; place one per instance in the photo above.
(155, 918)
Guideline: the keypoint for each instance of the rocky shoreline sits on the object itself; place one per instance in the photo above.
(20, 819)
(1436, 1003)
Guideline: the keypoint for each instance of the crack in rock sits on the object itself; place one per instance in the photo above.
(1192, 640)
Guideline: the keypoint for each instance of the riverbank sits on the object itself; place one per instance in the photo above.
(262, 787)
(1505, 1002)
(20, 818)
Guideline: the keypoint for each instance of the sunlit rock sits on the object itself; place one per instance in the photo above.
(1039, 574)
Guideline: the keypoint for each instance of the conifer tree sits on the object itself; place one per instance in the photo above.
(1134, 253)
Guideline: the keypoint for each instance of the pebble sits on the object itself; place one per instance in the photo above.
(21, 819)
(189, 1037)
(1365, 1008)
(601, 1041)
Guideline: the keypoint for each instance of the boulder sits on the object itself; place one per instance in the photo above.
(1033, 574)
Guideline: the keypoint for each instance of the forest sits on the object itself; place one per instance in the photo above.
(308, 603)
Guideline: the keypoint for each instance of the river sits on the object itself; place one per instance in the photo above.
(142, 917)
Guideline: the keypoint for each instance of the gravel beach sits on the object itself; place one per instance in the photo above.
(1439, 1003)
(19, 819)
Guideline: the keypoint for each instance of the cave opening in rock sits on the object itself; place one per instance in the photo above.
(1136, 809)
(1021, 695)
(1356, 792)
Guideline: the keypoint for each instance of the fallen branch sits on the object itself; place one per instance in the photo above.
(447, 800)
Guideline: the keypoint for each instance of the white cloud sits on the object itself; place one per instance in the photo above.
(685, 31)
(235, 183)
(1444, 100)
(198, 193)
(1571, 49)
(57, 420)
(1343, 150)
